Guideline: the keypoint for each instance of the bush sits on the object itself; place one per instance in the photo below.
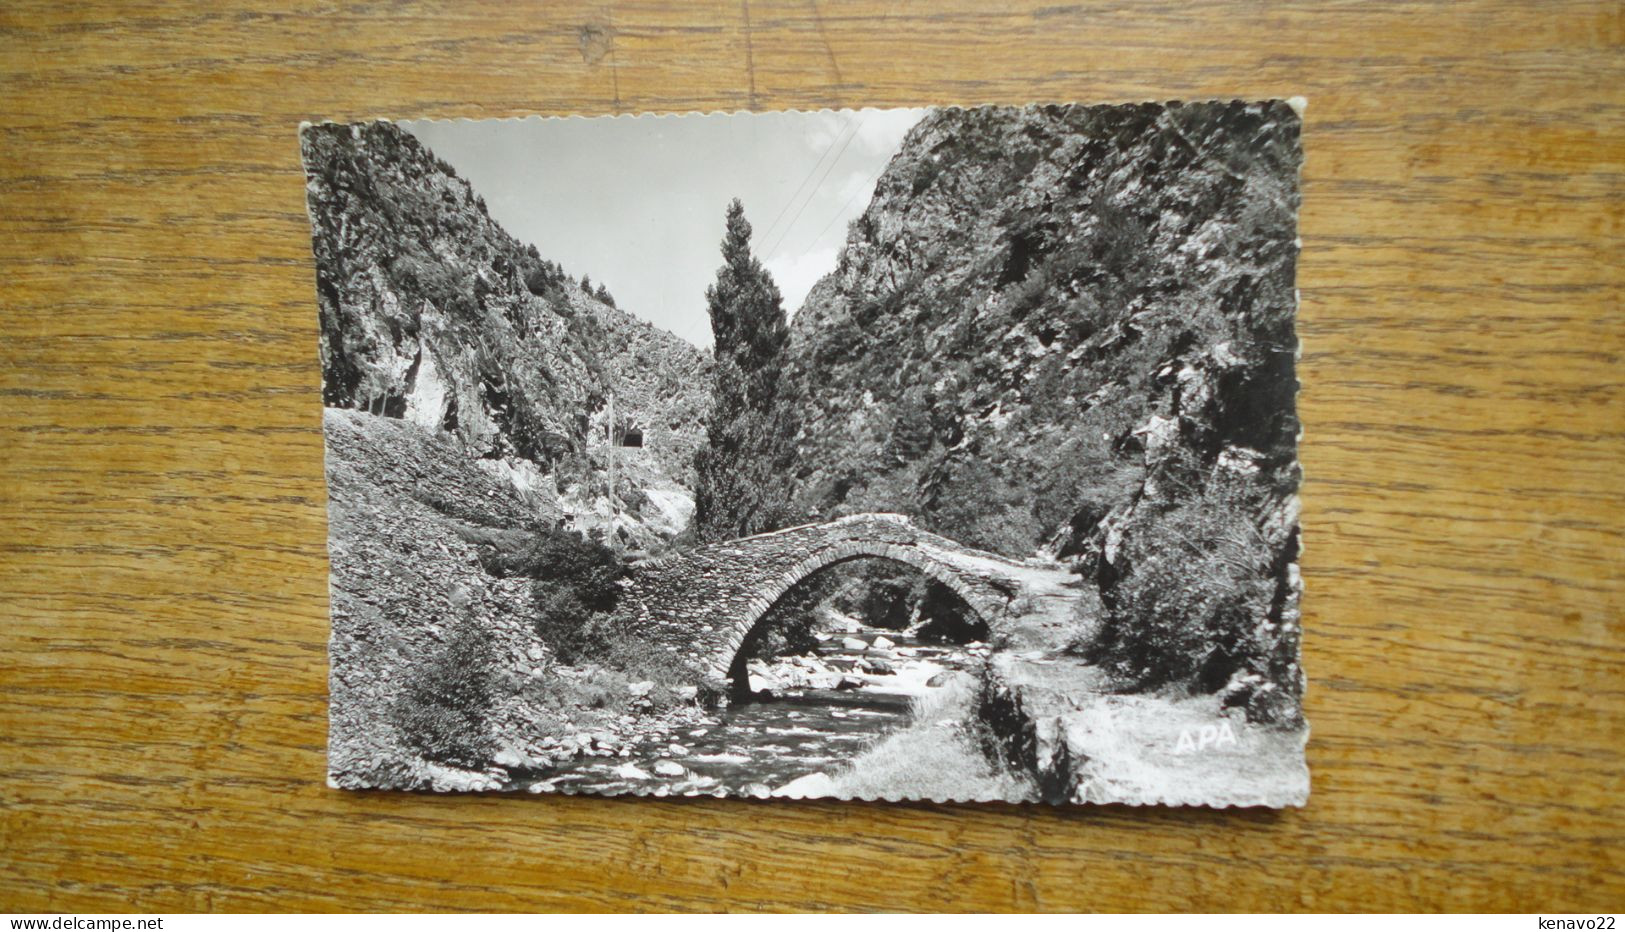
(1189, 598)
(618, 659)
(538, 280)
(596, 688)
(444, 710)
(619, 649)
(941, 755)
(576, 589)
(974, 504)
(575, 581)
(564, 558)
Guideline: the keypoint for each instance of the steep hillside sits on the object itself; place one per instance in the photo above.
(431, 312)
(407, 515)
(1070, 329)
(468, 385)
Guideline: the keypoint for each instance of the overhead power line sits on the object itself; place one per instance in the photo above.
(808, 177)
(868, 186)
(792, 224)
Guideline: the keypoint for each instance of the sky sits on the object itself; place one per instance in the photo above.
(637, 202)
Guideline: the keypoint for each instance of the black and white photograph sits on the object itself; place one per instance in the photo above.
(942, 453)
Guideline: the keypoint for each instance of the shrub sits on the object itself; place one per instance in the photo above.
(538, 280)
(444, 710)
(941, 755)
(562, 557)
(596, 688)
(618, 659)
(575, 581)
(1190, 599)
(972, 503)
(620, 649)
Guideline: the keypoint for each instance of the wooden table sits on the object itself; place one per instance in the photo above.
(162, 565)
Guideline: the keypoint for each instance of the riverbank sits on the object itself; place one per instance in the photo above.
(1057, 720)
(807, 717)
(941, 756)
(1061, 721)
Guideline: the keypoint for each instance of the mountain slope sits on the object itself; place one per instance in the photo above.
(431, 312)
(468, 386)
(1070, 329)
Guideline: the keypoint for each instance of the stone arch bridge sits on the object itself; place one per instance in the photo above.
(705, 602)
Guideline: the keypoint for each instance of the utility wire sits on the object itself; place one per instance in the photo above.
(868, 186)
(792, 224)
(810, 172)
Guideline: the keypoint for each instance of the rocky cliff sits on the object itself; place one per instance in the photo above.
(431, 312)
(1070, 329)
(469, 385)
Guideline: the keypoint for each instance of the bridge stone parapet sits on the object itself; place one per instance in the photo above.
(704, 603)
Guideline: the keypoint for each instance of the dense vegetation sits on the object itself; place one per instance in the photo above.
(445, 707)
(1069, 330)
(573, 584)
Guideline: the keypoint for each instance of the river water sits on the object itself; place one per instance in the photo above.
(816, 713)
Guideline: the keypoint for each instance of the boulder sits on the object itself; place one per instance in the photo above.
(811, 786)
(510, 757)
(1258, 698)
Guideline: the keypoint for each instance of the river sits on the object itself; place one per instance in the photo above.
(812, 714)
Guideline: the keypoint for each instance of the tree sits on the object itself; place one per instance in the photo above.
(603, 295)
(743, 473)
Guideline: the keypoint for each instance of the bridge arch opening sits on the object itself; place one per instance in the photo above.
(895, 593)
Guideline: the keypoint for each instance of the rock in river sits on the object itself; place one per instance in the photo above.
(630, 771)
(811, 786)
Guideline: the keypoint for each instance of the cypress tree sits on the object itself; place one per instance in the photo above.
(743, 473)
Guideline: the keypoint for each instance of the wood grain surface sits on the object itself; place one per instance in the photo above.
(162, 564)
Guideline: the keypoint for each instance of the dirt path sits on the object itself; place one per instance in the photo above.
(1059, 719)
